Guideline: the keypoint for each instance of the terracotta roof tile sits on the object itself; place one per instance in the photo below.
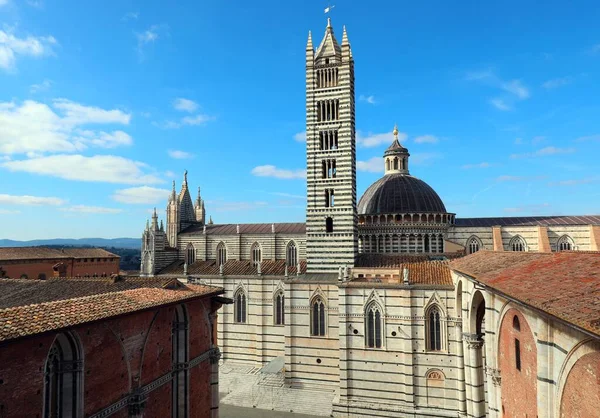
(396, 260)
(36, 253)
(563, 284)
(33, 319)
(232, 268)
(17, 292)
(433, 273)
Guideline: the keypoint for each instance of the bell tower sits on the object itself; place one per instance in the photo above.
(331, 217)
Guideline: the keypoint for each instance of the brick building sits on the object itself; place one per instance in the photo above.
(121, 347)
(531, 333)
(43, 262)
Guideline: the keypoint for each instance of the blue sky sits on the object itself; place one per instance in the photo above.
(103, 104)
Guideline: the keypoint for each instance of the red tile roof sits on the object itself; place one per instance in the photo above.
(431, 273)
(531, 220)
(231, 229)
(233, 268)
(563, 284)
(27, 320)
(17, 292)
(396, 260)
(38, 253)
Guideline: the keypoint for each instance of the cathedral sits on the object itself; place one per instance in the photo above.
(368, 298)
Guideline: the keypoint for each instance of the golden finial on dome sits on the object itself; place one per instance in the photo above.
(396, 131)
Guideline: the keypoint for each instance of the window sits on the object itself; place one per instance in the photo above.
(291, 254)
(329, 169)
(565, 243)
(180, 356)
(317, 313)
(434, 336)
(221, 253)
(517, 354)
(279, 308)
(329, 225)
(329, 198)
(190, 257)
(240, 307)
(473, 245)
(373, 326)
(62, 378)
(256, 254)
(518, 244)
(516, 324)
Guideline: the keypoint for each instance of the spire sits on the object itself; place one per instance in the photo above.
(309, 44)
(329, 28)
(199, 199)
(395, 131)
(173, 193)
(147, 224)
(162, 227)
(185, 177)
(329, 46)
(210, 221)
(345, 37)
(154, 220)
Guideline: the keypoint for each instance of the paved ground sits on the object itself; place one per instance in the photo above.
(228, 411)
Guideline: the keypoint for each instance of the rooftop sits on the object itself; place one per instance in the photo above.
(264, 228)
(233, 268)
(21, 321)
(17, 292)
(564, 284)
(430, 273)
(39, 253)
(530, 220)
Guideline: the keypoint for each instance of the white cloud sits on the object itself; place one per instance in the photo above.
(91, 209)
(43, 86)
(369, 99)
(373, 140)
(500, 104)
(104, 139)
(424, 158)
(38, 4)
(37, 127)
(557, 82)
(180, 155)
(517, 88)
(78, 114)
(32, 46)
(141, 195)
(372, 165)
(131, 16)
(3, 2)
(185, 105)
(544, 152)
(25, 200)
(426, 139)
(272, 171)
(588, 138)
(196, 120)
(8, 211)
(478, 165)
(147, 36)
(98, 168)
(573, 182)
(300, 136)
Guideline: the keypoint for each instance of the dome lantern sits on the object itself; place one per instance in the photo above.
(396, 157)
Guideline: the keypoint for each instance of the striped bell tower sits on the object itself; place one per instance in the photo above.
(331, 219)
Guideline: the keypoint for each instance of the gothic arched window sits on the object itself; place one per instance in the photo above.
(63, 378)
(564, 243)
(317, 313)
(279, 308)
(180, 357)
(373, 326)
(434, 329)
(517, 243)
(240, 306)
(256, 254)
(291, 254)
(473, 245)
(221, 253)
(190, 256)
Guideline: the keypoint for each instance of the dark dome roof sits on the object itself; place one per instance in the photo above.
(400, 193)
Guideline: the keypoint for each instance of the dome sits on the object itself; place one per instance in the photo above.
(400, 193)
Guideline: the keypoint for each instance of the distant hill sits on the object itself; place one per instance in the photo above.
(134, 243)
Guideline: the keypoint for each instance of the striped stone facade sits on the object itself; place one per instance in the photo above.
(330, 155)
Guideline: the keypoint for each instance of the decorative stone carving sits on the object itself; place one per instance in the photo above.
(495, 375)
(474, 341)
